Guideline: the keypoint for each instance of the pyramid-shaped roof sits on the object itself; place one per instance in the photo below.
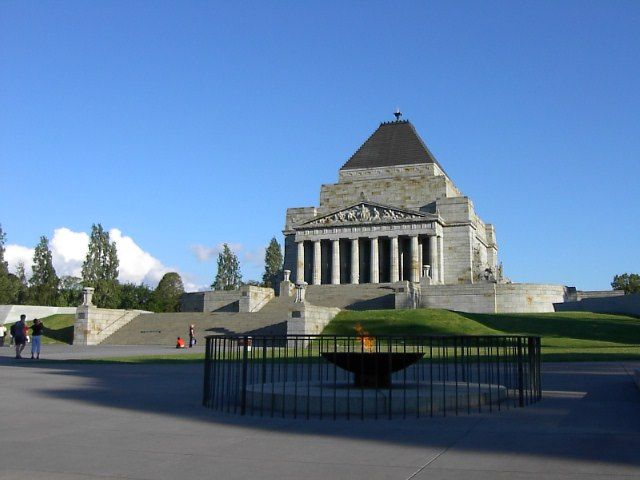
(393, 143)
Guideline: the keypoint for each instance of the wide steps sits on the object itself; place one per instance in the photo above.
(164, 328)
(353, 297)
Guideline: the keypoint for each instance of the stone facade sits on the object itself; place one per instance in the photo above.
(394, 215)
(483, 297)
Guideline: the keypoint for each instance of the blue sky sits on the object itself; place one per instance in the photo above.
(182, 125)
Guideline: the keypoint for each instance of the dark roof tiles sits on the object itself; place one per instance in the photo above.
(393, 143)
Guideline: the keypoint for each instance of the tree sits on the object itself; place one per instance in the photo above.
(44, 281)
(272, 264)
(135, 297)
(8, 285)
(23, 289)
(4, 266)
(629, 282)
(168, 292)
(100, 268)
(228, 276)
(70, 291)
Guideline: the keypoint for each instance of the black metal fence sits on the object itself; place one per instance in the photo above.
(329, 376)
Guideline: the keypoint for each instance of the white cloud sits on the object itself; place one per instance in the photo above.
(136, 265)
(15, 254)
(69, 250)
(205, 253)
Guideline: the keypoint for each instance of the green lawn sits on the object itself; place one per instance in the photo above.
(566, 336)
(57, 328)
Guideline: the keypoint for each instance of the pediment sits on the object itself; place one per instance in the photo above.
(367, 213)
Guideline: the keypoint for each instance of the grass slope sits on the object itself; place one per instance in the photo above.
(566, 336)
(57, 328)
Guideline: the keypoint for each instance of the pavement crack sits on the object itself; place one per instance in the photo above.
(446, 449)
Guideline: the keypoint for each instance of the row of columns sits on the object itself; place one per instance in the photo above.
(435, 261)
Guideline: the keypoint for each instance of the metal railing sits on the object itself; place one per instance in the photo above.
(327, 376)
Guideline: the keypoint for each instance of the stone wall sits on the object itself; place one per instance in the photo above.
(622, 304)
(93, 324)
(252, 299)
(484, 297)
(211, 301)
(307, 319)
(11, 313)
(410, 189)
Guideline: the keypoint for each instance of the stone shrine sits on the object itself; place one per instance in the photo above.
(394, 215)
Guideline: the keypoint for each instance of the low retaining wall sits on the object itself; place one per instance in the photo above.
(11, 313)
(483, 297)
(93, 325)
(623, 304)
(211, 301)
(307, 319)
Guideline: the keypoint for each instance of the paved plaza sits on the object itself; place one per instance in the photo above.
(63, 420)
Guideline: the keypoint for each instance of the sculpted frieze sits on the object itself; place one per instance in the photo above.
(364, 213)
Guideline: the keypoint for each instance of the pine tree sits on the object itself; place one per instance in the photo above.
(228, 276)
(9, 284)
(100, 268)
(272, 264)
(44, 282)
(4, 266)
(167, 294)
(23, 291)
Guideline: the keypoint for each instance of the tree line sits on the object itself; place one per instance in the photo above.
(100, 271)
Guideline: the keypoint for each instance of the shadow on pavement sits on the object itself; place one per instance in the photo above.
(591, 412)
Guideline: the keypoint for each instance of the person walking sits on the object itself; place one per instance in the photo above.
(19, 338)
(3, 334)
(36, 335)
(192, 336)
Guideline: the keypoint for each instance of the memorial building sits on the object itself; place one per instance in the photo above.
(394, 215)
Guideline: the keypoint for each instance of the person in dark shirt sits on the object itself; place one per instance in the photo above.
(19, 338)
(192, 336)
(36, 335)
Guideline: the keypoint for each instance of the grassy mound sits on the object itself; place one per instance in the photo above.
(57, 328)
(566, 336)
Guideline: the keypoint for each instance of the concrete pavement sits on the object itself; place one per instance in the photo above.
(85, 421)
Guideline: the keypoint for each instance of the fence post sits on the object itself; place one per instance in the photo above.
(207, 374)
(243, 398)
(520, 374)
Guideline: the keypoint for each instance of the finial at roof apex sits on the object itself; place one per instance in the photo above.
(398, 114)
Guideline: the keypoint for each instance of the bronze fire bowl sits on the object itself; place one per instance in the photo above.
(372, 369)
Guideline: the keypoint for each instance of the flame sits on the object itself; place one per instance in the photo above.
(368, 342)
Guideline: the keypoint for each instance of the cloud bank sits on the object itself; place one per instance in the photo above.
(69, 249)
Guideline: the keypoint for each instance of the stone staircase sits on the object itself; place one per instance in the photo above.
(353, 297)
(164, 328)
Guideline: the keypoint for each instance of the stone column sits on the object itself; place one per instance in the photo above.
(395, 271)
(415, 267)
(433, 258)
(355, 261)
(441, 259)
(317, 258)
(335, 262)
(375, 261)
(420, 255)
(300, 263)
